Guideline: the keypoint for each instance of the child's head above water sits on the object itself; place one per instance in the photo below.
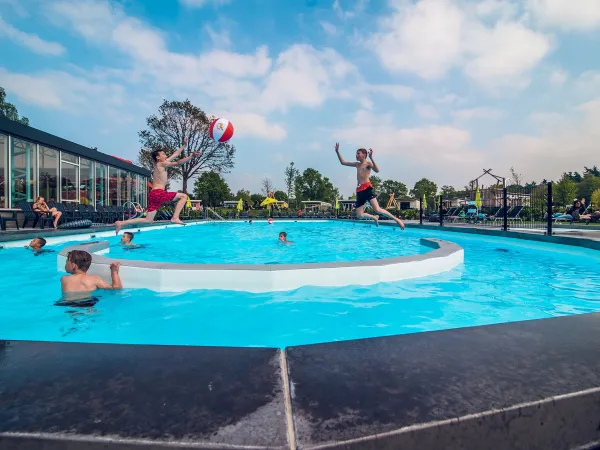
(126, 238)
(283, 236)
(37, 243)
(78, 261)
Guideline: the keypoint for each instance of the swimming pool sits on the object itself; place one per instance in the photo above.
(501, 280)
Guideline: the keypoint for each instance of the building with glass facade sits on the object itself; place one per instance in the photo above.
(34, 163)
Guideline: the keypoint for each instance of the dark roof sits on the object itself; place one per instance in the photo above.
(49, 140)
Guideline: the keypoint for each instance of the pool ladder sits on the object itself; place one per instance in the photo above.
(212, 211)
(131, 205)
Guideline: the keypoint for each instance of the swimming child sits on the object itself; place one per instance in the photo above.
(36, 244)
(79, 282)
(283, 238)
(364, 189)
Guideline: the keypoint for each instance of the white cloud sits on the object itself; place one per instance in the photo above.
(344, 14)
(430, 37)
(544, 117)
(329, 28)
(504, 9)
(255, 125)
(558, 77)
(426, 111)
(203, 3)
(580, 15)
(219, 39)
(30, 41)
(478, 113)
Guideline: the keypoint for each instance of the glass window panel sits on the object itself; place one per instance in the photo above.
(86, 181)
(142, 198)
(23, 171)
(69, 185)
(134, 188)
(123, 180)
(3, 170)
(70, 158)
(100, 184)
(113, 186)
(48, 174)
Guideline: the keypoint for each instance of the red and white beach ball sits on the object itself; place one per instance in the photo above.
(221, 130)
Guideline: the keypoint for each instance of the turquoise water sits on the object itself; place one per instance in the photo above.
(257, 243)
(501, 280)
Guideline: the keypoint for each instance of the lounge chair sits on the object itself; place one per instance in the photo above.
(33, 216)
(514, 214)
(12, 218)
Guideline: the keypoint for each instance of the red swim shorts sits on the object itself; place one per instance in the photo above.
(157, 197)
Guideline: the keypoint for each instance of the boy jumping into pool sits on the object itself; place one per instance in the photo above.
(364, 189)
(77, 264)
(158, 194)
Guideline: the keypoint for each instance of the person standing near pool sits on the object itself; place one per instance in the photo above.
(158, 194)
(364, 189)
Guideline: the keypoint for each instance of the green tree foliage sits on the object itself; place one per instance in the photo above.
(376, 182)
(212, 189)
(166, 132)
(281, 196)
(588, 184)
(391, 186)
(9, 110)
(311, 185)
(449, 192)
(425, 187)
(564, 191)
(291, 172)
(243, 194)
(256, 198)
(575, 176)
(595, 198)
(593, 171)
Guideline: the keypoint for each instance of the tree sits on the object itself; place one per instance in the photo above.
(516, 177)
(291, 172)
(281, 196)
(243, 194)
(166, 132)
(449, 192)
(311, 185)
(211, 188)
(575, 176)
(376, 182)
(267, 186)
(588, 184)
(564, 191)
(425, 187)
(595, 200)
(9, 110)
(390, 186)
(593, 171)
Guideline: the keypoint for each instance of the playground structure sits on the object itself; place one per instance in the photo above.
(392, 203)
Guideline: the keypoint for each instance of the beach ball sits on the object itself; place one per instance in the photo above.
(221, 130)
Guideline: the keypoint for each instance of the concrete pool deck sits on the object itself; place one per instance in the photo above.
(531, 385)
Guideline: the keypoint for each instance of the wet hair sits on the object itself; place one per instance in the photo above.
(154, 155)
(284, 234)
(129, 234)
(82, 259)
(363, 151)
(42, 241)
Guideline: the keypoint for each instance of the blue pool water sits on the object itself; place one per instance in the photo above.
(501, 280)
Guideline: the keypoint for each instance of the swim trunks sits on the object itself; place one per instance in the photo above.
(364, 194)
(156, 197)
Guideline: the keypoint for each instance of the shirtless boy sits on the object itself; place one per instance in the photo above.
(364, 189)
(158, 194)
(78, 263)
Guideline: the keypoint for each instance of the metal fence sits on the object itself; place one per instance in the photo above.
(505, 208)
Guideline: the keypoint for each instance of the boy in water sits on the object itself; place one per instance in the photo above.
(78, 263)
(158, 194)
(364, 189)
(126, 240)
(283, 238)
(36, 244)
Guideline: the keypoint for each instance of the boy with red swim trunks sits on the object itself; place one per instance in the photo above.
(364, 190)
(158, 195)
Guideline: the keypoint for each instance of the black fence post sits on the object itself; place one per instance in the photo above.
(549, 212)
(505, 209)
(421, 212)
(441, 212)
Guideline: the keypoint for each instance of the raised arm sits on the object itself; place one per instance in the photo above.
(178, 152)
(342, 160)
(182, 160)
(373, 163)
(114, 275)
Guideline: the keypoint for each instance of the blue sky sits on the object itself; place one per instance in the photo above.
(438, 88)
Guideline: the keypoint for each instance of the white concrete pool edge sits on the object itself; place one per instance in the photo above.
(258, 278)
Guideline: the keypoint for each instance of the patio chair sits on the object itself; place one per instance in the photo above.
(514, 214)
(29, 215)
(7, 219)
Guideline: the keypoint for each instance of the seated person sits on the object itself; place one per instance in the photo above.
(36, 244)
(79, 282)
(41, 207)
(283, 238)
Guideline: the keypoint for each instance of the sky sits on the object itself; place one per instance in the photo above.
(437, 88)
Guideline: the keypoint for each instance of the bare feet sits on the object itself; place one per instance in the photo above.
(400, 223)
(376, 221)
(178, 221)
(118, 225)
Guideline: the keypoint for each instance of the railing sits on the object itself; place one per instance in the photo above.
(210, 210)
(131, 206)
